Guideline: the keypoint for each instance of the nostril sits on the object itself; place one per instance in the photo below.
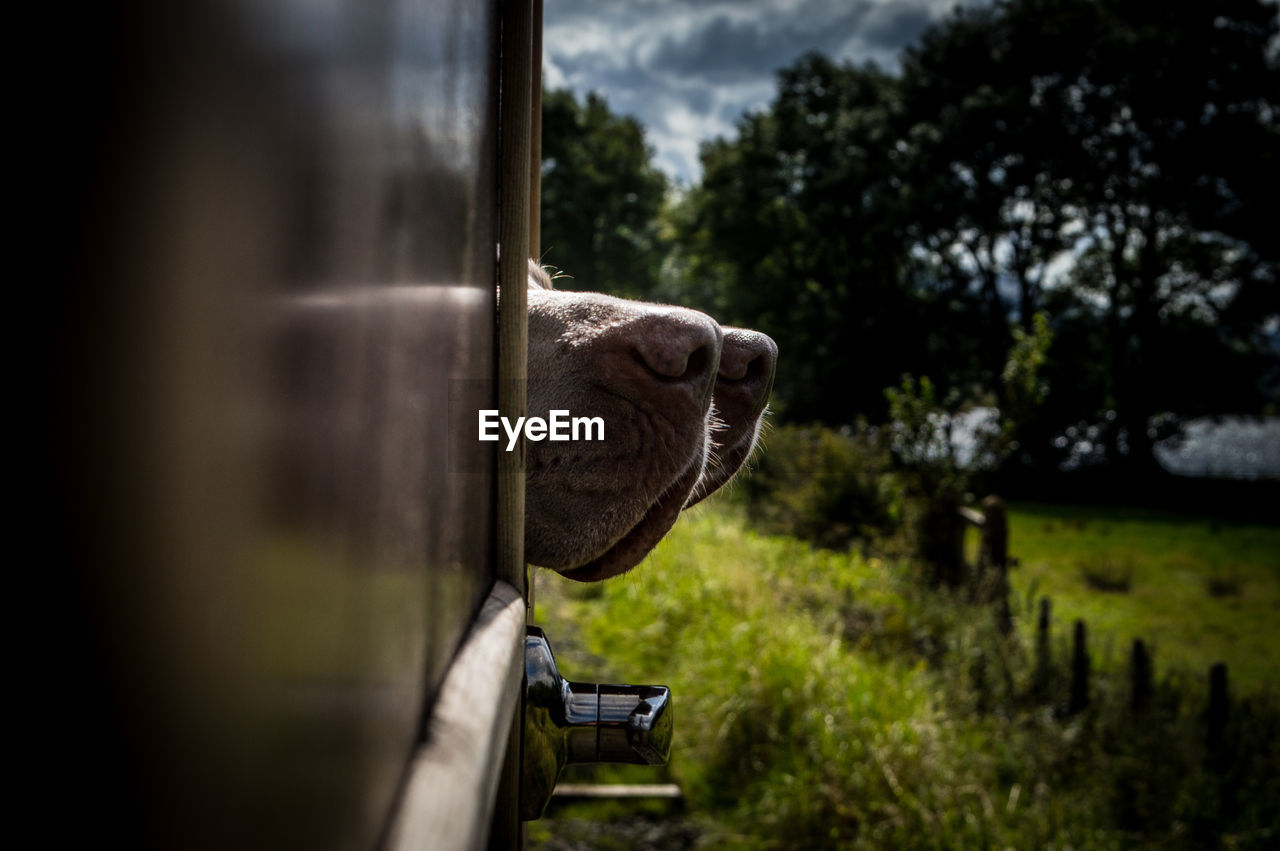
(680, 351)
(696, 366)
(755, 369)
(666, 362)
(748, 357)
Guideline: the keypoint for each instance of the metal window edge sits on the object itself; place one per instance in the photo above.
(453, 778)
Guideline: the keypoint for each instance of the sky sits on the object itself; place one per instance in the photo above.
(687, 69)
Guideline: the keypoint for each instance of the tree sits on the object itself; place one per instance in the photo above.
(1138, 139)
(944, 444)
(1112, 163)
(601, 197)
(794, 230)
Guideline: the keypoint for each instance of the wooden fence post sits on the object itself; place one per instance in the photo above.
(1216, 717)
(1079, 697)
(1044, 655)
(995, 534)
(941, 540)
(1139, 677)
(994, 556)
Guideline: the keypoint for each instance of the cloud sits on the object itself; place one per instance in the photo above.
(687, 69)
(728, 49)
(894, 25)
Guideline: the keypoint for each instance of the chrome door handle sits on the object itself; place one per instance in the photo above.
(567, 722)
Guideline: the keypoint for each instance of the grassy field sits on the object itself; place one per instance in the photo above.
(1199, 591)
(828, 700)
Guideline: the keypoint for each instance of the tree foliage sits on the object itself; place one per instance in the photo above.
(1111, 163)
(1129, 141)
(791, 228)
(601, 197)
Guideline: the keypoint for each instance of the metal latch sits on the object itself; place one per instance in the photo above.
(567, 722)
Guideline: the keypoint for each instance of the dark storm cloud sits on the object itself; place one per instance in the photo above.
(728, 49)
(607, 75)
(894, 25)
(687, 69)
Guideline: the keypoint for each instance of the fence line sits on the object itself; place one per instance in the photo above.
(1140, 675)
(988, 581)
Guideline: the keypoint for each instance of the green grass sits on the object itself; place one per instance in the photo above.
(826, 700)
(1199, 591)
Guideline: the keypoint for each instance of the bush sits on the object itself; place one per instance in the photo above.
(826, 487)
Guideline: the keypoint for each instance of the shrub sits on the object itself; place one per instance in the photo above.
(826, 487)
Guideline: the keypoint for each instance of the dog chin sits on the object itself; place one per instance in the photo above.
(632, 547)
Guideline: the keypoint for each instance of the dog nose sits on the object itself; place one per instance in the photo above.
(747, 361)
(682, 347)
